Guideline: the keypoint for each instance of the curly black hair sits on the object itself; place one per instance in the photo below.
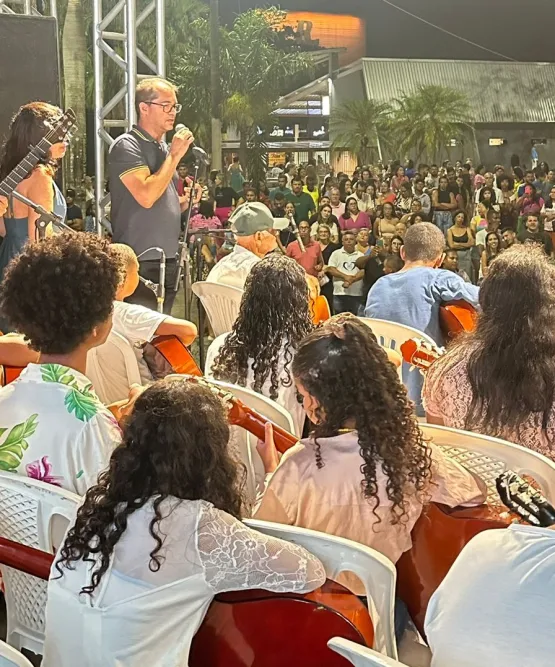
(344, 368)
(175, 445)
(274, 316)
(59, 289)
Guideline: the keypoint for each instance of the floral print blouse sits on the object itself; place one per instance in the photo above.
(54, 428)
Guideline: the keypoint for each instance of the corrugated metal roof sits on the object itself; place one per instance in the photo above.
(498, 92)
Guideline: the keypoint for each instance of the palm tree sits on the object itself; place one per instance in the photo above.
(74, 50)
(360, 126)
(427, 120)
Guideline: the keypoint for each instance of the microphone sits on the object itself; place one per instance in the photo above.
(200, 154)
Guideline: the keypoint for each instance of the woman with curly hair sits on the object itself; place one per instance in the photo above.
(273, 319)
(158, 537)
(500, 378)
(365, 472)
(59, 293)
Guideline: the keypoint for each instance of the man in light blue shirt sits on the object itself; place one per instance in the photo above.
(413, 295)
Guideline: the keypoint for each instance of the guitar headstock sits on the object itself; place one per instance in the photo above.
(420, 353)
(521, 498)
(62, 128)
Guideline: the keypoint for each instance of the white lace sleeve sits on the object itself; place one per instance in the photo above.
(234, 557)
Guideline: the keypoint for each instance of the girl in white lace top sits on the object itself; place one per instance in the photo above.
(157, 538)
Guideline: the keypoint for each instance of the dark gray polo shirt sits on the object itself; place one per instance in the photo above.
(139, 227)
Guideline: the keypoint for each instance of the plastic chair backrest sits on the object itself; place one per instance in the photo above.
(393, 335)
(489, 457)
(35, 514)
(9, 657)
(246, 441)
(117, 355)
(221, 303)
(337, 554)
(361, 656)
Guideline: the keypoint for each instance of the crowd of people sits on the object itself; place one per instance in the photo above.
(159, 531)
(480, 214)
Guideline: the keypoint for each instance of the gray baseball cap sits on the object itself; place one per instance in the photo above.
(250, 218)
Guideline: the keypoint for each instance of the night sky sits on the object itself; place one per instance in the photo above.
(516, 29)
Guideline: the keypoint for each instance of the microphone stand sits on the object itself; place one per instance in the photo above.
(183, 261)
(159, 288)
(45, 217)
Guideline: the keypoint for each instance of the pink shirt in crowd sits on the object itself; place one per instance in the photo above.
(329, 499)
(308, 259)
(447, 395)
(362, 222)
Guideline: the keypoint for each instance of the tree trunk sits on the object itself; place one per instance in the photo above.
(243, 150)
(74, 49)
(215, 85)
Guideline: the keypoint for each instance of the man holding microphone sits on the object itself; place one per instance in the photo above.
(146, 208)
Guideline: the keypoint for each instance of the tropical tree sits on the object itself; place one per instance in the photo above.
(361, 127)
(426, 121)
(253, 74)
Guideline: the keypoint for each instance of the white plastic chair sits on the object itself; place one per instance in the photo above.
(35, 514)
(9, 657)
(247, 442)
(112, 368)
(337, 554)
(221, 303)
(489, 457)
(393, 335)
(361, 656)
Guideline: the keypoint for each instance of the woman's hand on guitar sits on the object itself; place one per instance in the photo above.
(267, 449)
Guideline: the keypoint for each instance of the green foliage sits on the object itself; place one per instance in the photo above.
(85, 406)
(13, 447)
(254, 72)
(360, 126)
(427, 120)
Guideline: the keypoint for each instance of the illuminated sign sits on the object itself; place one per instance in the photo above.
(496, 142)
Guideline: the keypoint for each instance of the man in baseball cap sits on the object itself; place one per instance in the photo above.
(253, 227)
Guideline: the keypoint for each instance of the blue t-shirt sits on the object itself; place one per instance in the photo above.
(413, 298)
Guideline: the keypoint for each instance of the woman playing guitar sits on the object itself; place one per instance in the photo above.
(365, 472)
(499, 380)
(159, 537)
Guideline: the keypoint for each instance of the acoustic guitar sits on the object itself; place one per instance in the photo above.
(253, 628)
(239, 414)
(441, 533)
(168, 354)
(455, 317)
(58, 133)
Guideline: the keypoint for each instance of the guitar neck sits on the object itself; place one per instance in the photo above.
(254, 423)
(24, 168)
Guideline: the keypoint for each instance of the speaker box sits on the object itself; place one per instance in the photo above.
(29, 65)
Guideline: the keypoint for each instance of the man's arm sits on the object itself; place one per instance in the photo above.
(184, 330)
(147, 188)
(336, 273)
(451, 287)
(14, 351)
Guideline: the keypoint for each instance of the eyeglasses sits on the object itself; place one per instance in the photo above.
(168, 107)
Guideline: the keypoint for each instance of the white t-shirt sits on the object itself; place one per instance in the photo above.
(345, 262)
(138, 324)
(287, 396)
(138, 617)
(496, 606)
(233, 269)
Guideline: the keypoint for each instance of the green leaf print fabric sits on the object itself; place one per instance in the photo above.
(12, 448)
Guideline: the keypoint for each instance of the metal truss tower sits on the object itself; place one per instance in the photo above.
(130, 38)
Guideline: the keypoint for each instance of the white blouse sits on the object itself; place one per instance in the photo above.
(138, 617)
